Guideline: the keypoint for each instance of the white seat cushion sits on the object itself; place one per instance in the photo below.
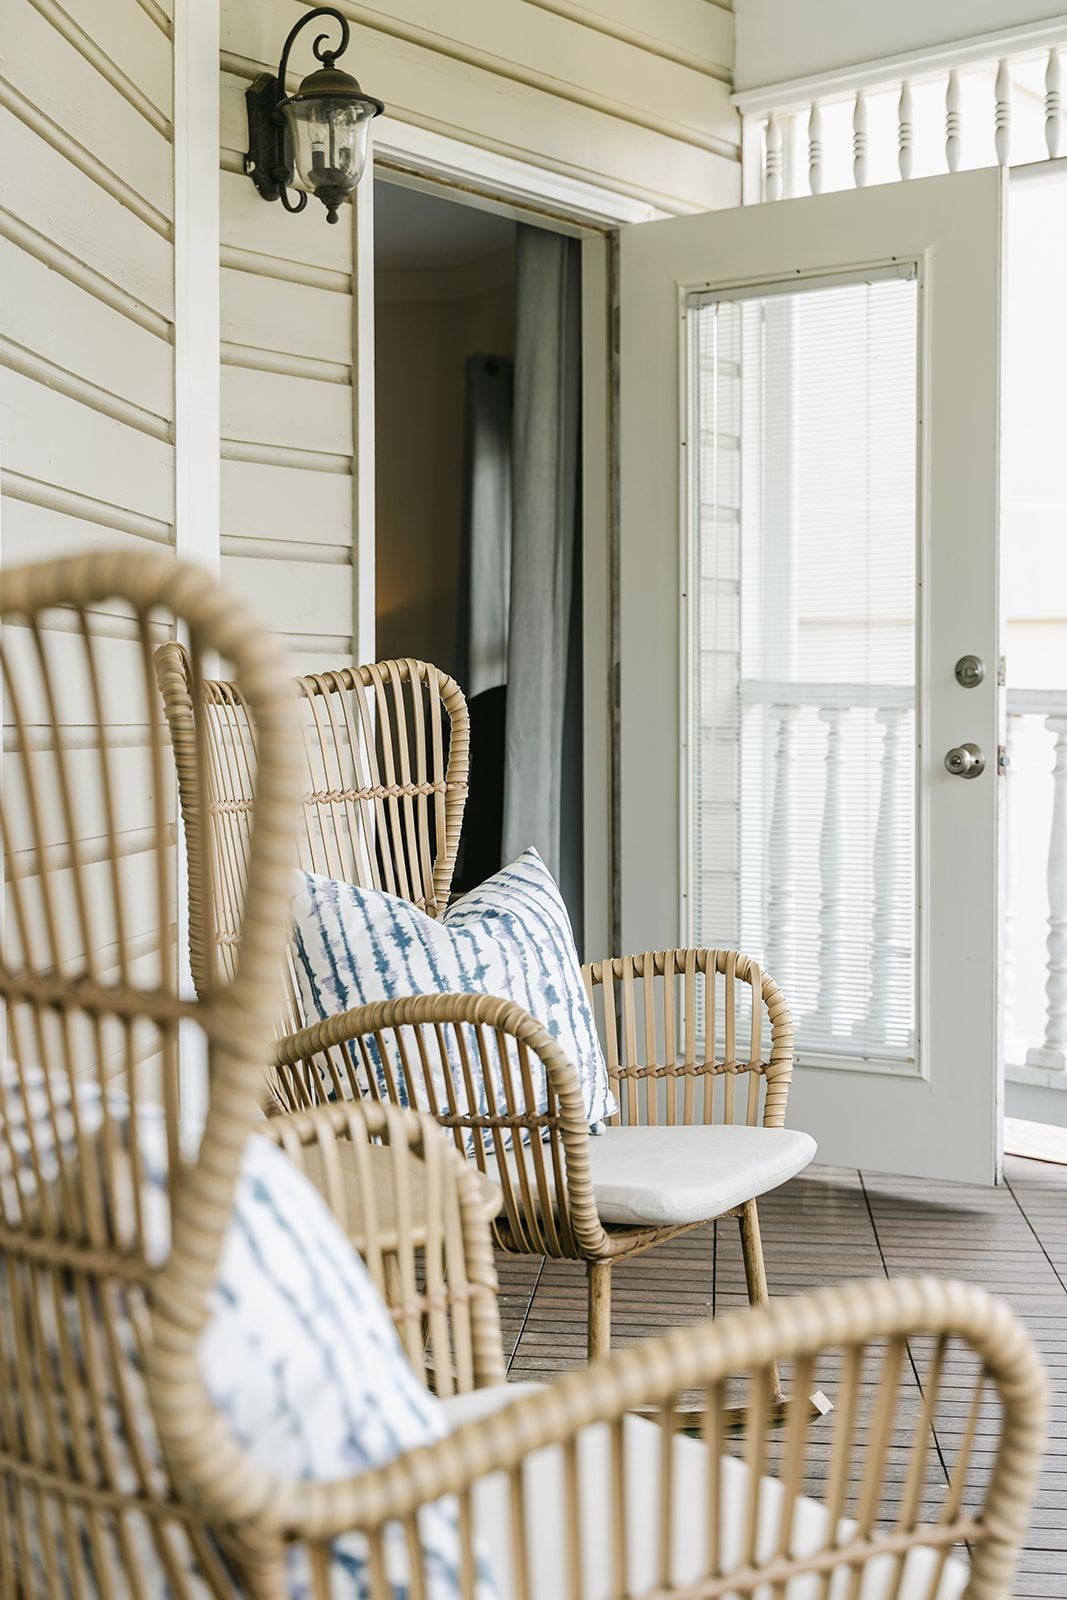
(661, 1176)
(666, 1175)
(544, 1481)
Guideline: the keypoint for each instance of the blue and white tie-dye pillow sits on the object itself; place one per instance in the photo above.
(303, 1360)
(511, 938)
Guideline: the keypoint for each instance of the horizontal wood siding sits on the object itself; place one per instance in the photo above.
(288, 503)
(631, 95)
(86, 400)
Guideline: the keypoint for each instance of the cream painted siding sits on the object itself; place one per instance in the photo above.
(629, 94)
(86, 263)
(87, 355)
(288, 419)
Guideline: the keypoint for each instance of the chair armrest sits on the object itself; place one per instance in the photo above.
(489, 1055)
(845, 1323)
(663, 1016)
(359, 1154)
(420, 1216)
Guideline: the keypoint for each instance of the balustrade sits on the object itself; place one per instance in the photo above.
(952, 122)
(815, 174)
(906, 131)
(1051, 1053)
(780, 881)
(1008, 886)
(991, 128)
(839, 1016)
(891, 936)
(1034, 1041)
(833, 939)
(1053, 105)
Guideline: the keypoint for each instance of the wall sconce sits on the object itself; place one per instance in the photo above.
(320, 132)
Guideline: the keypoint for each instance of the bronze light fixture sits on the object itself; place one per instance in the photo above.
(320, 132)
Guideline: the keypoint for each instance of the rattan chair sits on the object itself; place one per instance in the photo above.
(612, 1503)
(89, 977)
(695, 1040)
(565, 1491)
(420, 1217)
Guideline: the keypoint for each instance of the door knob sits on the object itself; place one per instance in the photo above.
(966, 761)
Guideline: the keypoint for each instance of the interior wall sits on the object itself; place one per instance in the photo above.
(426, 324)
(779, 39)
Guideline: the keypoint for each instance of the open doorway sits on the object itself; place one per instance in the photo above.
(1034, 590)
(478, 520)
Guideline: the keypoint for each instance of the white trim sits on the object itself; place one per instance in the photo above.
(364, 607)
(197, 392)
(197, 323)
(596, 597)
(795, 93)
(442, 160)
(1051, 168)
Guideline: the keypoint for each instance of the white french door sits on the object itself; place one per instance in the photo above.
(809, 442)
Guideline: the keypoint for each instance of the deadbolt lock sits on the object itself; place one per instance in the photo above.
(970, 671)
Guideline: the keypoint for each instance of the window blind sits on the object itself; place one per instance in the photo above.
(802, 649)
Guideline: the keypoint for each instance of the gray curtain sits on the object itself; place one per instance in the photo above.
(542, 796)
(482, 645)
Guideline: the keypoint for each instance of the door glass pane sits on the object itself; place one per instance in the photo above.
(802, 651)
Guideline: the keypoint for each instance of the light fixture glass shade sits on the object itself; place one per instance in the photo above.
(330, 134)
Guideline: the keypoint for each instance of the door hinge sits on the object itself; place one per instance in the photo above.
(1002, 672)
(1003, 759)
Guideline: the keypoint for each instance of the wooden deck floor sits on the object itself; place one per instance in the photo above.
(825, 1226)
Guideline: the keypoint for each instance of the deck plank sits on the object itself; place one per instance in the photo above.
(825, 1226)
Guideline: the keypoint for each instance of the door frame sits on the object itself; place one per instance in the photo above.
(436, 163)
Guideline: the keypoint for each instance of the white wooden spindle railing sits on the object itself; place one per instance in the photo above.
(780, 936)
(1008, 881)
(1034, 903)
(859, 141)
(890, 933)
(815, 174)
(1052, 1052)
(774, 159)
(1002, 115)
(952, 122)
(831, 1019)
(1053, 105)
(1001, 131)
(1035, 914)
(833, 897)
(906, 131)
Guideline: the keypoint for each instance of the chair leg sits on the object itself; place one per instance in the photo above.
(756, 1280)
(598, 1279)
(756, 1277)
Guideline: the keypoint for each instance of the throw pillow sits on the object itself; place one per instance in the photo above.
(300, 1354)
(510, 938)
